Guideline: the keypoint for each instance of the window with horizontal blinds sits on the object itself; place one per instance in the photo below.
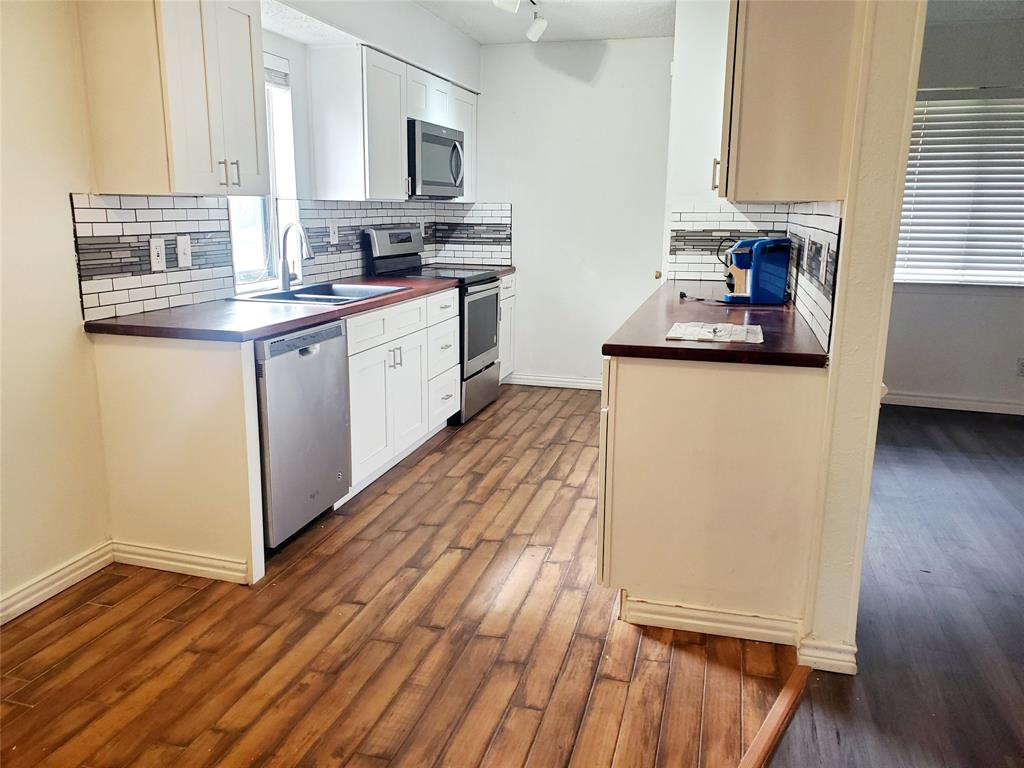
(963, 204)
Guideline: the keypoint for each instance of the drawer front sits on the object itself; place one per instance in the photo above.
(444, 395)
(442, 306)
(508, 286)
(407, 317)
(442, 346)
(371, 329)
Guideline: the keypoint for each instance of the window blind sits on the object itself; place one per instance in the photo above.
(963, 204)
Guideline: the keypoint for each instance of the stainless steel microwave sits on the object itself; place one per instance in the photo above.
(437, 160)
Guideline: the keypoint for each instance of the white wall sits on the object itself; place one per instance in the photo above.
(406, 30)
(956, 346)
(574, 135)
(698, 90)
(54, 498)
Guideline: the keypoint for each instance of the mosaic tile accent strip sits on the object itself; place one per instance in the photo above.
(694, 235)
(112, 234)
(472, 233)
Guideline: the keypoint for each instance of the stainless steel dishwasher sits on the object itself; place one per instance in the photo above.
(305, 446)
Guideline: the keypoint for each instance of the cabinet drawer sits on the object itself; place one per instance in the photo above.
(442, 346)
(441, 306)
(508, 286)
(383, 325)
(444, 396)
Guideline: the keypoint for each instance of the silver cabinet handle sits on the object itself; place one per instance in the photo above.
(715, 163)
(238, 172)
(225, 164)
(446, 346)
(400, 356)
(391, 357)
(446, 306)
(449, 396)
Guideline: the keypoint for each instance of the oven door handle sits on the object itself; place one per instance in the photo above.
(483, 288)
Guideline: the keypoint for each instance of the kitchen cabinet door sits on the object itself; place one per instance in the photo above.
(507, 336)
(239, 51)
(463, 118)
(785, 120)
(407, 391)
(429, 97)
(373, 442)
(386, 144)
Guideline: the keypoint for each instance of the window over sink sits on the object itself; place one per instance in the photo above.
(256, 222)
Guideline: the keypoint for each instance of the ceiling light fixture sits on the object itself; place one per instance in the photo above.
(537, 27)
(511, 6)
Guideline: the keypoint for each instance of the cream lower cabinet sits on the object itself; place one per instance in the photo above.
(403, 387)
(507, 327)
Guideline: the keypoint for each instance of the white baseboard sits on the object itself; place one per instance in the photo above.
(953, 403)
(189, 563)
(32, 593)
(770, 629)
(828, 656)
(562, 382)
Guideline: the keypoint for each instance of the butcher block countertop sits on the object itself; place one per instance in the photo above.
(788, 339)
(234, 320)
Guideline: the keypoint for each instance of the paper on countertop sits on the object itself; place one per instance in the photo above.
(750, 334)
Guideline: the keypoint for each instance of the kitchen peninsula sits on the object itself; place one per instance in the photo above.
(710, 496)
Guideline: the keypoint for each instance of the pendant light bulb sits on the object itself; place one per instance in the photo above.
(537, 27)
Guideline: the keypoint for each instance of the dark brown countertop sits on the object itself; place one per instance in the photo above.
(788, 339)
(232, 320)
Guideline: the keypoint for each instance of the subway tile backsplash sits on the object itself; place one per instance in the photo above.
(698, 235)
(112, 234)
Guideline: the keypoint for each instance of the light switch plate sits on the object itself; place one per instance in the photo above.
(333, 228)
(157, 254)
(183, 247)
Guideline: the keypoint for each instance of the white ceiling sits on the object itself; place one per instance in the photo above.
(949, 11)
(567, 19)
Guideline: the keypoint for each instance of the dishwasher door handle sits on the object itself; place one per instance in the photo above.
(309, 351)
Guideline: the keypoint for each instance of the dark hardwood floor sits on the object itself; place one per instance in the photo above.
(941, 629)
(448, 617)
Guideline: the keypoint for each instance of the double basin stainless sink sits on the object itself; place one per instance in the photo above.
(325, 293)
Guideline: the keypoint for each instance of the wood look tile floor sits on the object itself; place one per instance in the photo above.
(449, 617)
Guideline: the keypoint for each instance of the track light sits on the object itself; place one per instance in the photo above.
(511, 6)
(537, 27)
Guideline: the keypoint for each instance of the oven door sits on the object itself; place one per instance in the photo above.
(438, 160)
(479, 327)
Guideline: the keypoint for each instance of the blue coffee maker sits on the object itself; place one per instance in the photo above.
(766, 260)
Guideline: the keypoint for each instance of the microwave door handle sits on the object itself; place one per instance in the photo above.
(462, 162)
(451, 163)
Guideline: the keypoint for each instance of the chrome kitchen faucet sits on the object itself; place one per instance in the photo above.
(286, 278)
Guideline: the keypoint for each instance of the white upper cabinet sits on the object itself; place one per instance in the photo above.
(176, 95)
(386, 138)
(462, 117)
(239, 52)
(429, 97)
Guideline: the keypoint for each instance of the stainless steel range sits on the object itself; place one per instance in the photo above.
(397, 251)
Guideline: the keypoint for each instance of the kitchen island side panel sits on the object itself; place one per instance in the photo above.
(181, 436)
(713, 493)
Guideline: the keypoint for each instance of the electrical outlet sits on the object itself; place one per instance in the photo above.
(157, 254)
(1020, 366)
(183, 248)
(333, 229)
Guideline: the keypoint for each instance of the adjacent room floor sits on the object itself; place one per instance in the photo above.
(448, 617)
(941, 628)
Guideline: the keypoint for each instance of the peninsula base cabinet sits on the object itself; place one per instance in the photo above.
(395, 401)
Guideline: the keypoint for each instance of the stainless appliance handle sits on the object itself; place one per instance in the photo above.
(309, 351)
(490, 285)
(462, 162)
